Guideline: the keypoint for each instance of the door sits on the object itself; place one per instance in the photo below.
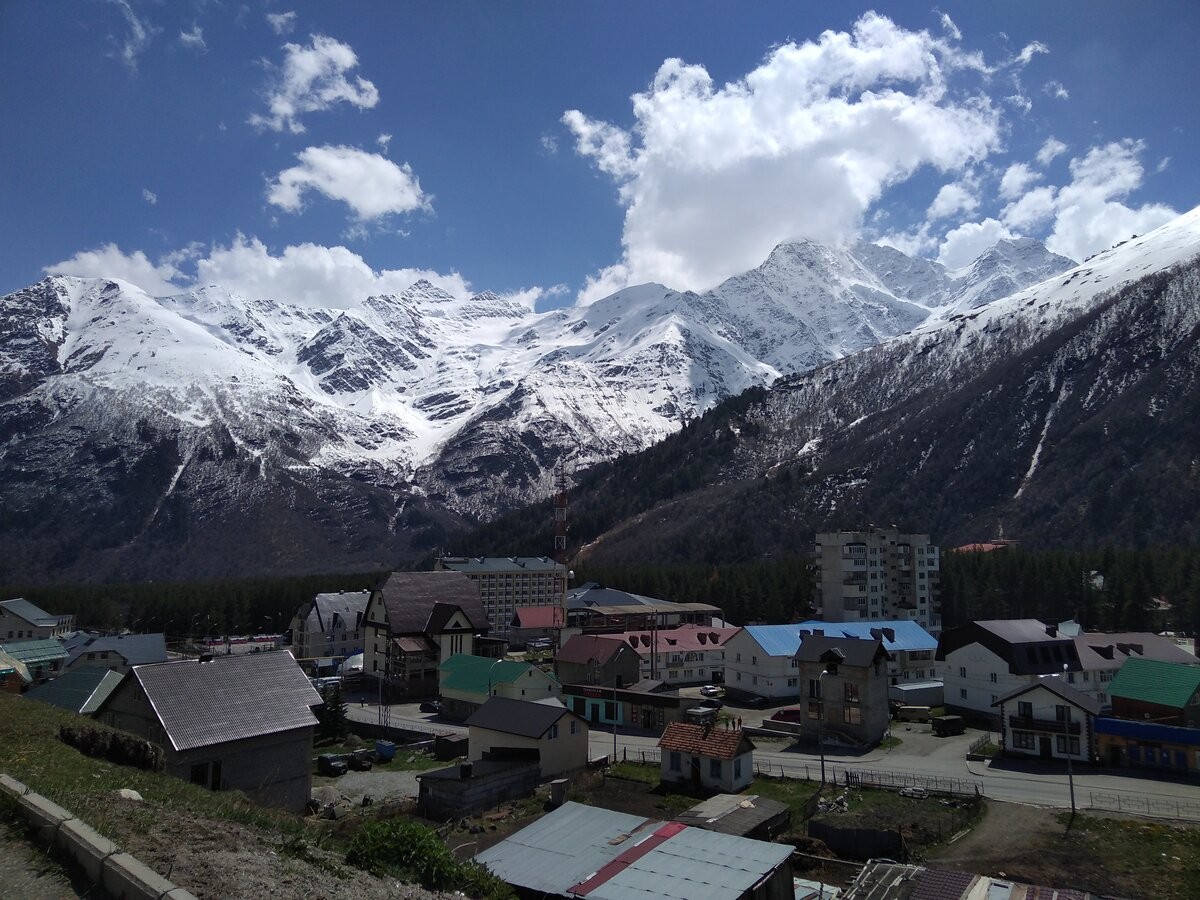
(1044, 746)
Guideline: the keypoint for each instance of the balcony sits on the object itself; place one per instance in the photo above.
(1047, 726)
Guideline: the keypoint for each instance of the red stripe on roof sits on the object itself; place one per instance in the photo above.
(628, 858)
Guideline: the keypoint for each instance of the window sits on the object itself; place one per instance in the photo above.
(675, 763)
(754, 660)
(1023, 740)
(737, 768)
(814, 709)
(1062, 713)
(1070, 677)
(793, 682)
(575, 725)
(993, 677)
(852, 715)
(554, 732)
(851, 692)
(739, 657)
(814, 687)
(714, 768)
(795, 663)
(962, 671)
(754, 679)
(962, 693)
(1070, 746)
(1025, 709)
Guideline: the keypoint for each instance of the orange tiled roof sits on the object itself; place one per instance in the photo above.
(705, 740)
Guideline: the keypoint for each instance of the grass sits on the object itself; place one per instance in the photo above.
(1160, 859)
(889, 742)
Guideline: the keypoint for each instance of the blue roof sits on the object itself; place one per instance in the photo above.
(137, 649)
(784, 640)
(35, 615)
(1148, 731)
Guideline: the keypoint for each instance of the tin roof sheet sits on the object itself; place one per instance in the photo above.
(80, 692)
(30, 612)
(1153, 681)
(33, 653)
(135, 649)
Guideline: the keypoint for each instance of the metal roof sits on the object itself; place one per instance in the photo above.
(227, 698)
(81, 692)
(474, 565)
(1148, 731)
(421, 602)
(1060, 688)
(346, 605)
(575, 842)
(136, 649)
(476, 674)
(1152, 681)
(31, 613)
(33, 653)
(734, 813)
(521, 717)
(784, 640)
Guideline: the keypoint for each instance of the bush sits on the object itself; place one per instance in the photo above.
(114, 746)
(413, 853)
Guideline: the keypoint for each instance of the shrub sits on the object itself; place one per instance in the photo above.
(114, 746)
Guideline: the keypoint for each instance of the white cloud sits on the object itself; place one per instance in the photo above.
(371, 185)
(383, 141)
(711, 178)
(951, 200)
(915, 242)
(310, 274)
(108, 261)
(962, 245)
(149, 196)
(1163, 164)
(136, 39)
(282, 23)
(1030, 50)
(1052, 149)
(1017, 178)
(1019, 101)
(1032, 210)
(950, 28)
(311, 79)
(549, 144)
(1056, 89)
(194, 39)
(1090, 214)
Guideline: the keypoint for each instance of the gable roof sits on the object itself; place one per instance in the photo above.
(499, 564)
(346, 605)
(80, 692)
(900, 634)
(33, 653)
(135, 649)
(519, 717)
(1058, 687)
(855, 652)
(1153, 681)
(547, 616)
(705, 740)
(228, 698)
(423, 602)
(31, 613)
(1109, 651)
(1029, 646)
(586, 648)
(681, 639)
(475, 674)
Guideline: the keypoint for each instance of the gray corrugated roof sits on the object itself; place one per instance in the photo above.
(35, 615)
(855, 652)
(347, 605)
(520, 717)
(418, 601)
(475, 565)
(228, 698)
(733, 813)
(136, 649)
(1058, 686)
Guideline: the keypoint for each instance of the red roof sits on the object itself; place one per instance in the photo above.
(540, 616)
(683, 639)
(584, 648)
(705, 740)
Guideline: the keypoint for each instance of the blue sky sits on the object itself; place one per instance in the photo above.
(319, 151)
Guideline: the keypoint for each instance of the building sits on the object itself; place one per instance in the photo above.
(546, 733)
(845, 682)
(507, 583)
(1048, 719)
(878, 574)
(330, 626)
(1148, 745)
(708, 756)
(882, 879)
(579, 850)
(43, 658)
(21, 620)
(647, 705)
(596, 608)
(986, 660)
(1147, 690)
(465, 683)
(415, 622)
(534, 623)
(472, 787)
(760, 660)
(81, 691)
(684, 655)
(113, 651)
(746, 815)
(241, 722)
(605, 660)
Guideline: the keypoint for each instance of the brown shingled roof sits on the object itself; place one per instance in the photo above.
(419, 602)
(705, 740)
(584, 648)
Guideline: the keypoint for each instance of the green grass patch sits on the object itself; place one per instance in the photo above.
(643, 772)
(889, 742)
(1156, 859)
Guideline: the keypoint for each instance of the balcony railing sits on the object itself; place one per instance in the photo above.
(1049, 726)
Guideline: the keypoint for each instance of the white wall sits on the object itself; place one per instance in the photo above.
(748, 668)
(981, 665)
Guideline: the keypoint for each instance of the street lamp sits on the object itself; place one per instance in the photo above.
(821, 721)
(1067, 742)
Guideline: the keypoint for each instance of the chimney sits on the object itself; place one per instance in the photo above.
(890, 634)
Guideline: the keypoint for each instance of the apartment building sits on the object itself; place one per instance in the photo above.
(508, 582)
(878, 574)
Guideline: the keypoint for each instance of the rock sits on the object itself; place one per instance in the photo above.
(130, 794)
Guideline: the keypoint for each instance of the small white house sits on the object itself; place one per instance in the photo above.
(720, 759)
(1048, 719)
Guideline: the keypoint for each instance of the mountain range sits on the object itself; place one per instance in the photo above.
(207, 434)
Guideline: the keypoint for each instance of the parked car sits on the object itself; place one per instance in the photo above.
(332, 764)
(710, 690)
(539, 644)
(431, 706)
(362, 760)
(789, 714)
(711, 703)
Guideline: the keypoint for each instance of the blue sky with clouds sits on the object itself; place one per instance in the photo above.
(317, 152)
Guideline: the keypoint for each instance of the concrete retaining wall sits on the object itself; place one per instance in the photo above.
(119, 875)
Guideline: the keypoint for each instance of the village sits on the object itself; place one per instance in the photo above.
(652, 747)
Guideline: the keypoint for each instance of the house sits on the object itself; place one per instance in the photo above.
(883, 879)
(720, 759)
(43, 658)
(647, 705)
(594, 607)
(546, 733)
(415, 621)
(845, 682)
(81, 691)
(21, 620)
(241, 722)
(465, 683)
(760, 660)
(577, 851)
(605, 660)
(115, 651)
(878, 574)
(472, 787)
(1148, 745)
(1048, 719)
(507, 583)
(534, 623)
(330, 626)
(14, 674)
(1148, 690)
(988, 659)
(684, 655)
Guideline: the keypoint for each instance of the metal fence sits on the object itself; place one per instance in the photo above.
(1147, 806)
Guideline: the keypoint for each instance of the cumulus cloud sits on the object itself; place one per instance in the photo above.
(311, 79)
(371, 185)
(282, 23)
(1052, 149)
(950, 28)
(1029, 51)
(1016, 179)
(1031, 211)
(137, 37)
(962, 245)
(951, 200)
(194, 39)
(1056, 89)
(108, 261)
(383, 142)
(711, 178)
(1090, 212)
(149, 196)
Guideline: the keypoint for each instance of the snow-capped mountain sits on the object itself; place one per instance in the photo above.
(141, 420)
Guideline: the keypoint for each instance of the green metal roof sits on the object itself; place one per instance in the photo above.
(1151, 681)
(33, 653)
(80, 691)
(463, 672)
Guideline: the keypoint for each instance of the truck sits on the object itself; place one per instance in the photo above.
(944, 726)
